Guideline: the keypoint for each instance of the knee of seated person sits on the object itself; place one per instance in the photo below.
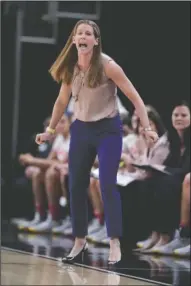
(37, 172)
(92, 181)
(51, 173)
(30, 171)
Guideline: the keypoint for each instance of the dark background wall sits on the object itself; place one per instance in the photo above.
(150, 40)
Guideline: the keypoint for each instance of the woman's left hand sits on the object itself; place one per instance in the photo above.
(151, 136)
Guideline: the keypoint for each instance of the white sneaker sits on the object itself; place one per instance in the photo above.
(145, 244)
(106, 241)
(183, 251)
(94, 226)
(184, 263)
(68, 231)
(66, 223)
(99, 236)
(44, 226)
(170, 247)
(163, 262)
(176, 234)
(155, 247)
(26, 224)
(35, 239)
(17, 221)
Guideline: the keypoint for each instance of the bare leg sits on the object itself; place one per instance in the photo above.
(52, 184)
(154, 238)
(38, 191)
(185, 202)
(63, 185)
(63, 174)
(30, 170)
(78, 245)
(164, 239)
(95, 197)
(99, 195)
(115, 251)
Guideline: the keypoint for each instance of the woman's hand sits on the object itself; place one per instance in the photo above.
(26, 159)
(151, 136)
(43, 137)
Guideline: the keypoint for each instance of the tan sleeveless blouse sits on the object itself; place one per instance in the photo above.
(93, 104)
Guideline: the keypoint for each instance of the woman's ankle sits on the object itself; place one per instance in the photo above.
(155, 236)
(114, 241)
(164, 239)
(80, 240)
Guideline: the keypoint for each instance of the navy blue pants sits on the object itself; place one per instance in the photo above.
(88, 139)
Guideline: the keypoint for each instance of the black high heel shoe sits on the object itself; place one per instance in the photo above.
(113, 262)
(113, 265)
(78, 257)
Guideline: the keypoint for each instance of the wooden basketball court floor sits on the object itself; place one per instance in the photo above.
(22, 268)
(34, 259)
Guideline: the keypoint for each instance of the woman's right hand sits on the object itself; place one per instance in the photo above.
(43, 137)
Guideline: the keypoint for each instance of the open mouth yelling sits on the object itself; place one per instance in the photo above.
(82, 46)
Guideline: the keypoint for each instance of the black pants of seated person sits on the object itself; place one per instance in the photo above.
(151, 205)
(136, 201)
(165, 203)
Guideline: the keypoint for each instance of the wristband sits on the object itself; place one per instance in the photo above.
(121, 164)
(50, 130)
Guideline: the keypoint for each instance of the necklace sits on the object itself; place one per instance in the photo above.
(83, 76)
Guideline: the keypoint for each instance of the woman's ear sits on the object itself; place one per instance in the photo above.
(96, 42)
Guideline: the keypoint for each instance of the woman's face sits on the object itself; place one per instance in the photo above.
(84, 39)
(181, 117)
